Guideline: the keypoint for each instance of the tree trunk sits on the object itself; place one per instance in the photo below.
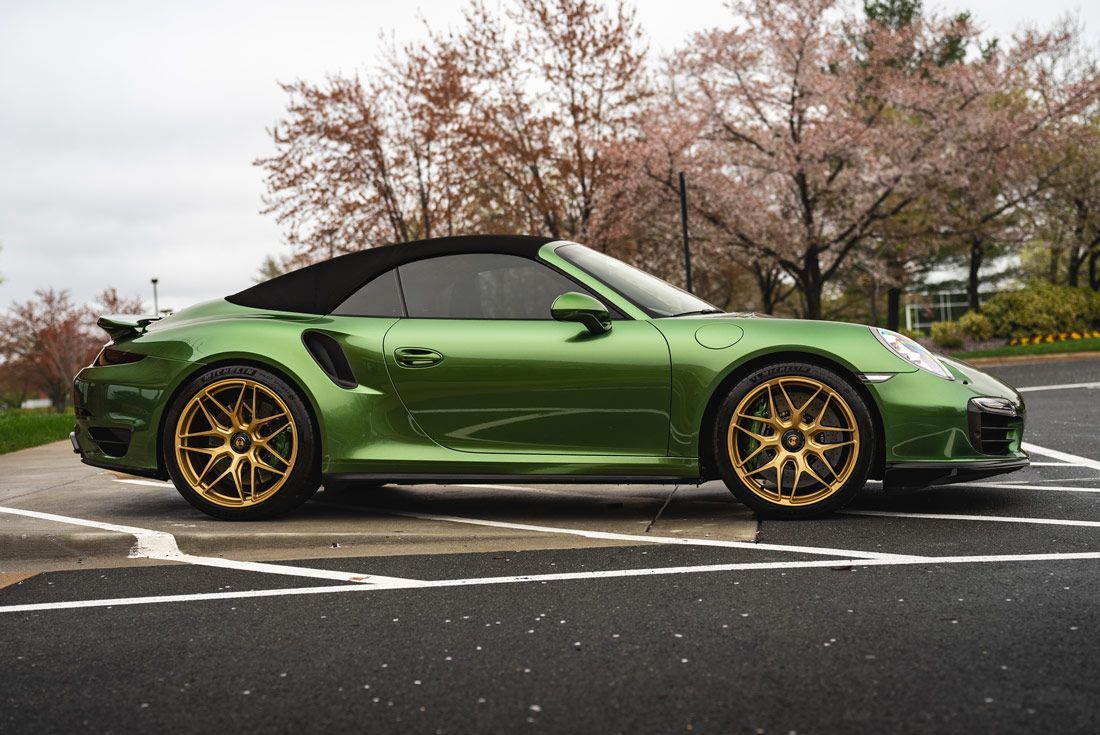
(893, 308)
(59, 397)
(1073, 266)
(977, 253)
(810, 280)
(1094, 267)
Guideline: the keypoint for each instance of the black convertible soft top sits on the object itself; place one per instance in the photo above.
(321, 287)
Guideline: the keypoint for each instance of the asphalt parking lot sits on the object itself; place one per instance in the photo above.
(969, 608)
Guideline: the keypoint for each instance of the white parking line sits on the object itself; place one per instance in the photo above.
(149, 483)
(544, 578)
(1063, 386)
(957, 517)
(1062, 456)
(1006, 486)
(636, 538)
(161, 545)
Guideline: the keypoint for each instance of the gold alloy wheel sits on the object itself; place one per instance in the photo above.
(793, 441)
(236, 443)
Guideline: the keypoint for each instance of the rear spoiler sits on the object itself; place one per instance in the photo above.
(124, 326)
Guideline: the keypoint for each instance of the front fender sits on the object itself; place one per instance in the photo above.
(700, 373)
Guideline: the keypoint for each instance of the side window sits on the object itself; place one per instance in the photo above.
(379, 297)
(481, 286)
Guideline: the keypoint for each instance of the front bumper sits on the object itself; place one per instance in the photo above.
(942, 431)
(924, 474)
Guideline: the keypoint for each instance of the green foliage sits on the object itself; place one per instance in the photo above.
(22, 429)
(1043, 348)
(976, 326)
(911, 333)
(948, 335)
(1042, 308)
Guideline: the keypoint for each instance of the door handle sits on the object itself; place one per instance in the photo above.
(416, 357)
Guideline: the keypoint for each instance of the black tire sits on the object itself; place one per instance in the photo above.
(302, 478)
(841, 487)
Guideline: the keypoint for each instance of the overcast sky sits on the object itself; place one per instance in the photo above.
(127, 130)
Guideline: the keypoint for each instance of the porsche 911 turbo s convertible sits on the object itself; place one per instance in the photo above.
(494, 357)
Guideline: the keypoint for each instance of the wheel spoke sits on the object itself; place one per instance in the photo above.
(218, 403)
(211, 451)
(214, 423)
(810, 471)
(758, 437)
(794, 484)
(237, 406)
(755, 452)
(821, 455)
(210, 485)
(790, 404)
(271, 450)
(260, 464)
(197, 434)
(237, 480)
(767, 466)
(766, 421)
(827, 446)
(821, 413)
(802, 409)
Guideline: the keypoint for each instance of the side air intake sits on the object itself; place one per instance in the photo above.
(330, 357)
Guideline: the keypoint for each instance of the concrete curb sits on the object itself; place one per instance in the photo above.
(1027, 359)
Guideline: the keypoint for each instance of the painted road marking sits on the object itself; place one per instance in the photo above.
(545, 578)
(1005, 486)
(1090, 478)
(1063, 386)
(957, 517)
(161, 545)
(637, 538)
(149, 483)
(1063, 456)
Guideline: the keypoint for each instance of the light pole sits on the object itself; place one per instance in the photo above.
(156, 303)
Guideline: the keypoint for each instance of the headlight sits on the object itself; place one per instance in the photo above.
(911, 352)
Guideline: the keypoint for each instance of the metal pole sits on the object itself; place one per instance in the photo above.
(684, 228)
(156, 303)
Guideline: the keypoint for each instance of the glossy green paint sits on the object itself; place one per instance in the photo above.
(583, 309)
(519, 397)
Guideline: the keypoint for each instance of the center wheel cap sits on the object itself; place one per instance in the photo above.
(793, 440)
(240, 442)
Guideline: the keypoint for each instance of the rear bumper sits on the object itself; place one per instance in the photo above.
(155, 473)
(925, 474)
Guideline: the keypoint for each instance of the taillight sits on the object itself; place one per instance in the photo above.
(111, 356)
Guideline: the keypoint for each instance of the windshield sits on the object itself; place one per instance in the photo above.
(654, 296)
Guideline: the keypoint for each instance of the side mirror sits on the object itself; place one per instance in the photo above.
(579, 307)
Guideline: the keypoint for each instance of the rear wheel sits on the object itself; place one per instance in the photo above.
(239, 444)
(794, 440)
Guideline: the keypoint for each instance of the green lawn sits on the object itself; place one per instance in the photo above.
(22, 429)
(1043, 348)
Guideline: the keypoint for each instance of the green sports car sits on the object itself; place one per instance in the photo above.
(488, 358)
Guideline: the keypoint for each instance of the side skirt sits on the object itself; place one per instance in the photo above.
(429, 479)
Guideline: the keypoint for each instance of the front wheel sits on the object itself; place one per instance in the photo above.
(794, 440)
(239, 444)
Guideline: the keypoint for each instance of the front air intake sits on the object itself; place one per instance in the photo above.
(993, 432)
(330, 357)
(112, 442)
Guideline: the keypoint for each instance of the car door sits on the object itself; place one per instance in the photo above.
(482, 367)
